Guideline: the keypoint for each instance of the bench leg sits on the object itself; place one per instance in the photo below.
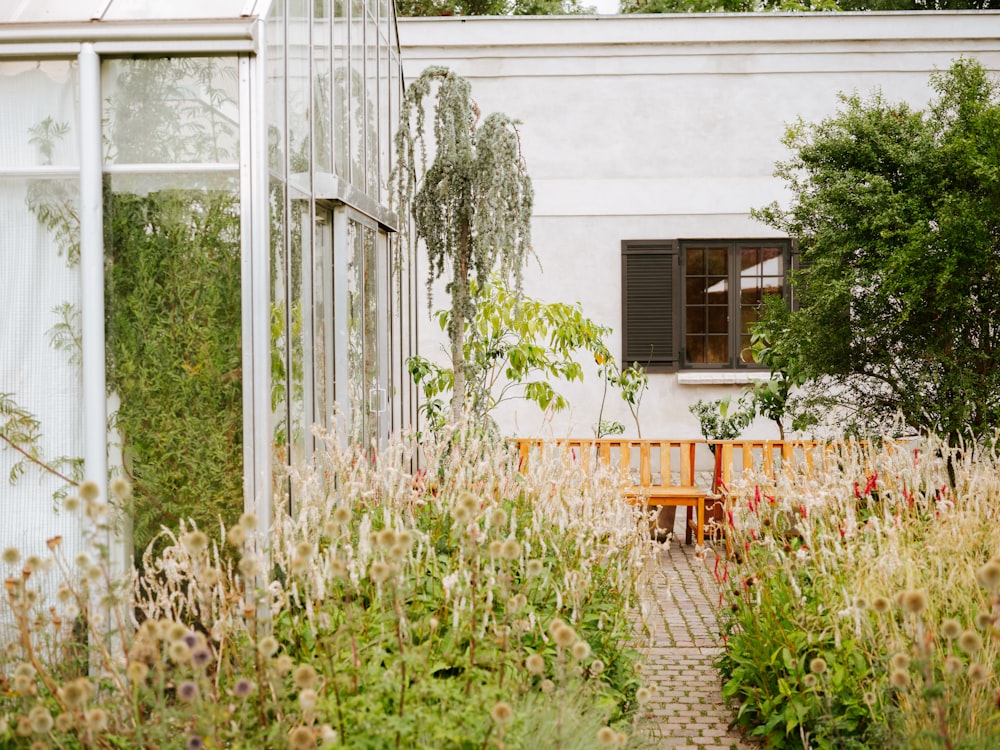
(701, 523)
(687, 524)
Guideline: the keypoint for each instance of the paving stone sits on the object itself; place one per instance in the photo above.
(679, 641)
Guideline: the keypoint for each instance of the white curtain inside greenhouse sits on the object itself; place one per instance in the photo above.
(39, 303)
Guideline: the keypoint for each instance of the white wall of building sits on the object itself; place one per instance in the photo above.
(664, 127)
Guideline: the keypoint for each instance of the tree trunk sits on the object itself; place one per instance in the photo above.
(459, 309)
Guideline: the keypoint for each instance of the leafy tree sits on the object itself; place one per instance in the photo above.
(492, 8)
(896, 214)
(514, 346)
(471, 205)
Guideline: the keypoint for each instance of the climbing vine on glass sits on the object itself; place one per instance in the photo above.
(471, 203)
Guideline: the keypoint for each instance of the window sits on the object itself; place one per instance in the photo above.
(690, 303)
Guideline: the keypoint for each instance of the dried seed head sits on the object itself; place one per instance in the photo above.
(187, 691)
(860, 603)
(341, 515)
(970, 641)
(498, 517)
(535, 664)
(305, 676)
(12, 555)
(96, 720)
(242, 687)
(953, 665)
(268, 645)
(137, 672)
(284, 664)
(951, 628)
(121, 488)
(880, 604)
(179, 652)
(89, 491)
(379, 572)
(564, 637)
(236, 536)
(597, 667)
(385, 538)
(642, 695)
(607, 737)
(494, 547)
(900, 661)
(511, 549)
(41, 720)
(502, 712)
(810, 680)
(71, 504)
(914, 601)
(195, 542)
(580, 650)
(989, 576)
(301, 738)
(308, 699)
(899, 679)
(978, 673)
(534, 568)
(546, 686)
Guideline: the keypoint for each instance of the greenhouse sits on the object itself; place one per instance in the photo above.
(198, 252)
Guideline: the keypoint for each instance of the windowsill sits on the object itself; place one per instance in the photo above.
(721, 377)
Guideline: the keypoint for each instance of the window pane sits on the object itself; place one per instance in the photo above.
(322, 94)
(174, 355)
(718, 320)
(695, 261)
(718, 350)
(696, 320)
(171, 110)
(717, 261)
(39, 121)
(749, 257)
(695, 346)
(695, 289)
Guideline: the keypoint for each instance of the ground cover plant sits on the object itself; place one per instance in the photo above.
(861, 605)
(467, 605)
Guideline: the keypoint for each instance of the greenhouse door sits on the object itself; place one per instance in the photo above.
(363, 395)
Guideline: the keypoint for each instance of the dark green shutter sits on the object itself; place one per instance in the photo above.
(650, 304)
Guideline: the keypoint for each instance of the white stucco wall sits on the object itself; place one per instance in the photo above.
(664, 127)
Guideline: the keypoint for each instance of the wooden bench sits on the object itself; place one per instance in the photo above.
(733, 457)
(648, 470)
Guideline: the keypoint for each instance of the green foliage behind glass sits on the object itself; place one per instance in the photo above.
(173, 353)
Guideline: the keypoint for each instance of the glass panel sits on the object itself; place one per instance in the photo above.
(696, 320)
(718, 320)
(717, 289)
(717, 261)
(355, 330)
(40, 386)
(39, 122)
(363, 332)
(300, 376)
(322, 87)
(275, 90)
(173, 347)
(323, 352)
(371, 106)
(695, 261)
(749, 257)
(171, 110)
(356, 93)
(695, 346)
(695, 289)
(384, 123)
(299, 98)
(279, 337)
(718, 350)
(750, 295)
(48, 11)
(341, 93)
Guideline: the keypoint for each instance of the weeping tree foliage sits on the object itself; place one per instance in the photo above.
(471, 203)
(897, 214)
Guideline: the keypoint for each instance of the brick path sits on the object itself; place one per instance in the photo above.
(683, 641)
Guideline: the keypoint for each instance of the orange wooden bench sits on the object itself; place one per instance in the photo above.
(657, 473)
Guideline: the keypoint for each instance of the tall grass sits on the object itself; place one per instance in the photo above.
(472, 604)
(861, 606)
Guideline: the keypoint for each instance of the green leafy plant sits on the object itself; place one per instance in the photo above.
(459, 607)
(514, 347)
(723, 419)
